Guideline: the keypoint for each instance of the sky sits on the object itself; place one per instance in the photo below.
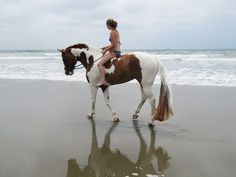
(143, 24)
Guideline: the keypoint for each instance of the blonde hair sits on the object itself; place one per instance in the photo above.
(112, 23)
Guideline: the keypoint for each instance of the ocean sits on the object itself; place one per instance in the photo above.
(183, 67)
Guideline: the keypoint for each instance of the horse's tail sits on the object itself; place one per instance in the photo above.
(164, 108)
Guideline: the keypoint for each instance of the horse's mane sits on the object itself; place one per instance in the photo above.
(83, 46)
(80, 46)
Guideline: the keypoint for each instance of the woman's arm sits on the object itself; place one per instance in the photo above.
(112, 45)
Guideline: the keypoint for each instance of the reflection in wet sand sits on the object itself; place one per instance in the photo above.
(104, 162)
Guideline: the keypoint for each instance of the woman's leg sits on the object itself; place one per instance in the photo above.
(102, 61)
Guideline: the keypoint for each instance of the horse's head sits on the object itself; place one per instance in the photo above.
(69, 61)
(71, 55)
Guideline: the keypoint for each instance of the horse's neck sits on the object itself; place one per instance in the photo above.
(96, 54)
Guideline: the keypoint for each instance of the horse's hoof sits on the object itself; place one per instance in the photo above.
(135, 116)
(90, 116)
(151, 125)
(116, 119)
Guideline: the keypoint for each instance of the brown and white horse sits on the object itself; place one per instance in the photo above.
(138, 65)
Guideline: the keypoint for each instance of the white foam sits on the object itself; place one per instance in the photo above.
(182, 68)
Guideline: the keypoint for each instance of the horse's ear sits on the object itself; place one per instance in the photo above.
(61, 50)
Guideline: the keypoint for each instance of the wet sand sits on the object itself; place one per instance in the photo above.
(44, 132)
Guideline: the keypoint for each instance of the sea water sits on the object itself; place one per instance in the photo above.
(183, 67)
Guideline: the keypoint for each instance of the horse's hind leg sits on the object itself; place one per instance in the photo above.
(148, 92)
(107, 100)
(143, 99)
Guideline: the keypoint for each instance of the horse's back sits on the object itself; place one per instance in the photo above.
(149, 66)
(146, 59)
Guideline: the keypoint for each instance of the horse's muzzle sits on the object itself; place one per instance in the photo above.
(69, 73)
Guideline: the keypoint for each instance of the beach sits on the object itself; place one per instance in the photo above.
(45, 132)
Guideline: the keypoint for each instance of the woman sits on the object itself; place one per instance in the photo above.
(110, 51)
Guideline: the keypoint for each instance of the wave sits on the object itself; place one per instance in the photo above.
(31, 54)
(197, 57)
(190, 67)
(28, 57)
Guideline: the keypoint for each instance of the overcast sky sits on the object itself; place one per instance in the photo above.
(143, 24)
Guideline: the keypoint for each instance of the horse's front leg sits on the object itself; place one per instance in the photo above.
(106, 98)
(93, 90)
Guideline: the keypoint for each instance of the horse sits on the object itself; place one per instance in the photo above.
(137, 65)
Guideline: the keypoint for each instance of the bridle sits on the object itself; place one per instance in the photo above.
(79, 66)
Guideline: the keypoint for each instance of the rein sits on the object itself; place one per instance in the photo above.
(80, 66)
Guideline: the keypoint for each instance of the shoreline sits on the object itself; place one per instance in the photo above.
(131, 82)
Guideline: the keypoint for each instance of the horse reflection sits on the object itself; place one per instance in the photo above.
(104, 162)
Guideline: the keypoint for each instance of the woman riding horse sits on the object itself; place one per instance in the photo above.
(138, 65)
(110, 51)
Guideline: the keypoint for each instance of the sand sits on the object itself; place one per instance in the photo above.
(44, 132)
